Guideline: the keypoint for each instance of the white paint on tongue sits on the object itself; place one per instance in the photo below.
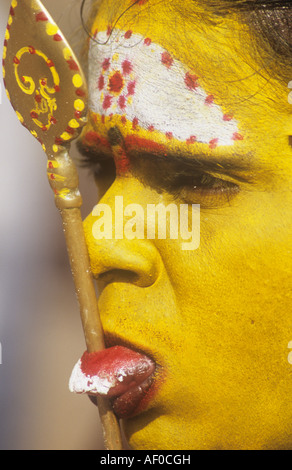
(110, 372)
(82, 383)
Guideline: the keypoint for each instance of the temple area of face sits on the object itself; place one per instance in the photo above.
(125, 92)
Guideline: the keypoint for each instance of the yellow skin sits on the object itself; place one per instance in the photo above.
(217, 320)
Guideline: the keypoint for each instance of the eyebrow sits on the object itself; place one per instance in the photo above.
(237, 164)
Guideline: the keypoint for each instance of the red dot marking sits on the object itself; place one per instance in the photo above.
(227, 117)
(94, 139)
(52, 176)
(70, 130)
(131, 88)
(78, 114)
(213, 143)
(80, 92)
(191, 140)
(57, 88)
(166, 59)
(122, 164)
(58, 38)
(50, 63)
(51, 166)
(124, 120)
(209, 100)
(11, 11)
(237, 136)
(128, 34)
(34, 115)
(44, 81)
(151, 128)
(72, 64)
(38, 98)
(122, 102)
(169, 135)
(191, 81)
(127, 67)
(101, 82)
(16, 60)
(58, 141)
(144, 144)
(106, 64)
(135, 123)
(44, 128)
(116, 83)
(147, 41)
(107, 102)
(53, 120)
(41, 17)
(31, 50)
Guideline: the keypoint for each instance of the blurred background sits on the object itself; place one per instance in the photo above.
(40, 331)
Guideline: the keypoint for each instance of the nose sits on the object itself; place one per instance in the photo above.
(136, 261)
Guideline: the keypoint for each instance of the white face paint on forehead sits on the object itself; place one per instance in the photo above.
(132, 77)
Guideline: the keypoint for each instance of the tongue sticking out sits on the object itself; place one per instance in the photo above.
(110, 372)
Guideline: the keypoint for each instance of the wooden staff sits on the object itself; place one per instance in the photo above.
(47, 88)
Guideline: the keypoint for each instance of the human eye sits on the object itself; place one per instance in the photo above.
(204, 188)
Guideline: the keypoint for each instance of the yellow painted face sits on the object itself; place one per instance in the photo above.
(200, 121)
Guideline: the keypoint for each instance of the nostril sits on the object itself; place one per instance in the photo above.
(118, 275)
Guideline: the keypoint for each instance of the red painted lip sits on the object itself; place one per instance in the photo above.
(123, 375)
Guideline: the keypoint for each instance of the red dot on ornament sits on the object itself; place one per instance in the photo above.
(41, 17)
(128, 34)
(72, 64)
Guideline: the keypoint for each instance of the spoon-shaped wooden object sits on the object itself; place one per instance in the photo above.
(48, 92)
